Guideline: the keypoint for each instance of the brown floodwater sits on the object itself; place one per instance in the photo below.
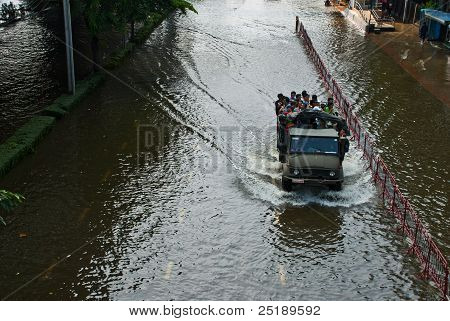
(165, 185)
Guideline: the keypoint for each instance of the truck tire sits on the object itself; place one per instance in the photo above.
(336, 187)
(286, 184)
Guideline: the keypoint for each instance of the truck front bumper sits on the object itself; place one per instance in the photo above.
(313, 181)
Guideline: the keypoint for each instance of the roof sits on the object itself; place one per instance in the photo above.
(439, 16)
(329, 132)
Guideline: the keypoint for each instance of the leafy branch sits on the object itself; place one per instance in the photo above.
(8, 201)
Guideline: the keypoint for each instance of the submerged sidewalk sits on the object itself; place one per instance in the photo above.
(428, 64)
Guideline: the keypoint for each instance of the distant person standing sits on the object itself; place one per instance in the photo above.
(423, 33)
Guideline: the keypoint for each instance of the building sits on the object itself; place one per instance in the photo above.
(408, 11)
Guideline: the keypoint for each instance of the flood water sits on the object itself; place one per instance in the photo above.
(32, 69)
(165, 183)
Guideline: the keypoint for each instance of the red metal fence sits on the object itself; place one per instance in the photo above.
(435, 266)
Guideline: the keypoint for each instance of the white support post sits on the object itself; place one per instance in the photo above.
(404, 11)
(69, 47)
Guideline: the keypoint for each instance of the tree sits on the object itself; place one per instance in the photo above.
(99, 17)
(105, 15)
(8, 201)
(430, 5)
(183, 5)
(133, 11)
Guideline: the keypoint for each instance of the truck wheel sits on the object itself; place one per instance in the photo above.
(282, 158)
(286, 184)
(336, 187)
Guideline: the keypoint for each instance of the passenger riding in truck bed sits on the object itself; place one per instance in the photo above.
(312, 141)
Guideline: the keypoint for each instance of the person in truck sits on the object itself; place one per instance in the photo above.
(279, 104)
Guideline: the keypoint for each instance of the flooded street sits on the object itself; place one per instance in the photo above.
(165, 183)
(31, 70)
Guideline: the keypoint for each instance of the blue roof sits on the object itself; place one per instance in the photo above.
(439, 16)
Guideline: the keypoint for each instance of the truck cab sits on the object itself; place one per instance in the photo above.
(314, 157)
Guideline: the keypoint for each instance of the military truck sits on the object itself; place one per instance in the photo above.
(312, 148)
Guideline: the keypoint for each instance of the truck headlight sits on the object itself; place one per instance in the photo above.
(296, 172)
(332, 173)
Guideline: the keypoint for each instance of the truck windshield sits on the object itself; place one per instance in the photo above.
(325, 145)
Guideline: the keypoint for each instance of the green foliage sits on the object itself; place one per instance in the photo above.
(54, 110)
(83, 87)
(104, 15)
(149, 12)
(99, 15)
(118, 56)
(183, 5)
(150, 24)
(430, 4)
(23, 141)
(133, 10)
(8, 201)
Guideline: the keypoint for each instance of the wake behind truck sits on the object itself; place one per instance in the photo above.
(312, 146)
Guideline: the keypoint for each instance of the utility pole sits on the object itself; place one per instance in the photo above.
(404, 11)
(69, 47)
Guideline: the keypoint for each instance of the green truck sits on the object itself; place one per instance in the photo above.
(312, 150)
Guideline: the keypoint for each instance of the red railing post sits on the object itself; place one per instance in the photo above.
(359, 134)
(364, 148)
(370, 159)
(427, 262)
(445, 289)
(405, 204)
(393, 199)
(414, 244)
(376, 176)
(358, 130)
